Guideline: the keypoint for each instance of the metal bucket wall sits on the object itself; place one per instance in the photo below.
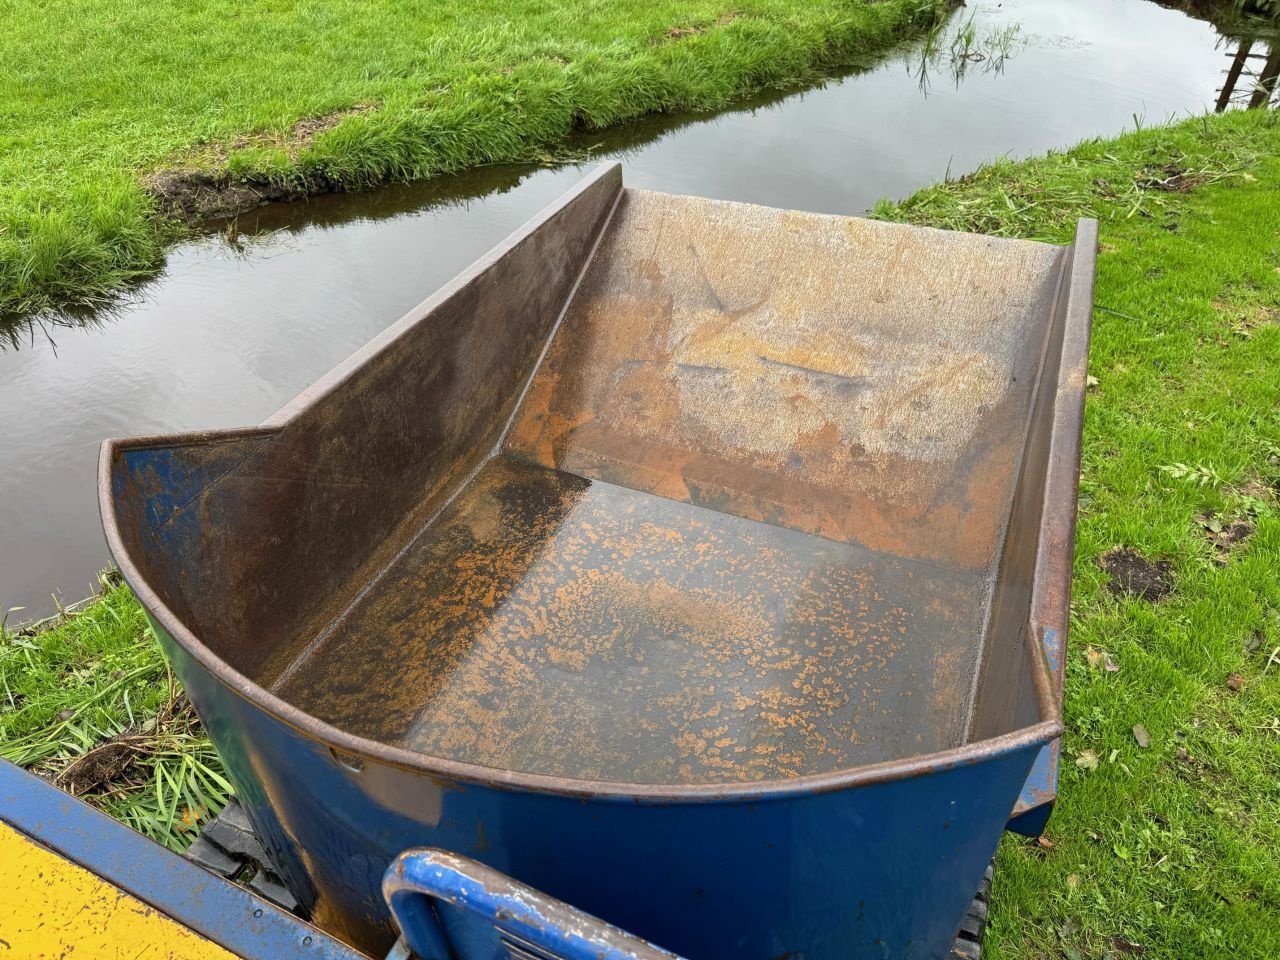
(883, 870)
(247, 546)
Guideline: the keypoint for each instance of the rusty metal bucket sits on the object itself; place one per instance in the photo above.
(702, 564)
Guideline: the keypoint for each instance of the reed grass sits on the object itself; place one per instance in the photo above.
(88, 701)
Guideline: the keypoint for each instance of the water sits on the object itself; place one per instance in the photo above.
(227, 335)
(620, 621)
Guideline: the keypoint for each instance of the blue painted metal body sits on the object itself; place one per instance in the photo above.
(219, 910)
(451, 906)
(1040, 791)
(883, 870)
(1032, 814)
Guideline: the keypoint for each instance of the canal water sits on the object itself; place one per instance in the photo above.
(231, 330)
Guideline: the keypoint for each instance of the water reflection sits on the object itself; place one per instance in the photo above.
(1250, 39)
(955, 47)
(41, 330)
(1244, 86)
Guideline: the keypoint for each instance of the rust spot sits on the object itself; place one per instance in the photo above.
(843, 402)
(551, 624)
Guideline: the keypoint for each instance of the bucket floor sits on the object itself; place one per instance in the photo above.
(551, 624)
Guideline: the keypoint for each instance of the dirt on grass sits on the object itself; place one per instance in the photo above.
(1170, 178)
(1257, 489)
(1245, 312)
(304, 131)
(1224, 534)
(109, 763)
(196, 197)
(200, 191)
(679, 33)
(103, 764)
(1134, 575)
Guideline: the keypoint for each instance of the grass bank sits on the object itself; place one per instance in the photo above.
(289, 96)
(89, 702)
(1166, 841)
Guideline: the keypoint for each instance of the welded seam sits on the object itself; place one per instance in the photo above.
(380, 574)
(372, 581)
(179, 508)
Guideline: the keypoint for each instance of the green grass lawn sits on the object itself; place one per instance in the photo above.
(1173, 846)
(96, 96)
(1166, 840)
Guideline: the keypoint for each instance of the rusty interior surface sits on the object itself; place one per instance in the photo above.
(579, 628)
(742, 511)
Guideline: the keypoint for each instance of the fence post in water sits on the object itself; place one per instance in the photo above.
(1267, 80)
(1233, 75)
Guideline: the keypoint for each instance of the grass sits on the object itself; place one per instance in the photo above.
(1166, 840)
(89, 701)
(98, 96)
(1171, 850)
(953, 47)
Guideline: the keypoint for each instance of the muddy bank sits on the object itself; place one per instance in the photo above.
(197, 197)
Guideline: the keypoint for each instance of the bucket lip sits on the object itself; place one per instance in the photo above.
(1045, 730)
(1046, 624)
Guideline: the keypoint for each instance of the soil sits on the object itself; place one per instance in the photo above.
(1134, 575)
(1224, 536)
(1170, 178)
(198, 197)
(102, 764)
(1236, 533)
(1257, 489)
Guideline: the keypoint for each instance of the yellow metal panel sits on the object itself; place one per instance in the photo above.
(51, 907)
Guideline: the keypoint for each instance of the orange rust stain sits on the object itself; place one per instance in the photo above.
(807, 433)
(841, 378)
(548, 624)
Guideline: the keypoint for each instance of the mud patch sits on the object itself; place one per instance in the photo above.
(1134, 575)
(1170, 178)
(103, 764)
(198, 197)
(1224, 534)
(199, 190)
